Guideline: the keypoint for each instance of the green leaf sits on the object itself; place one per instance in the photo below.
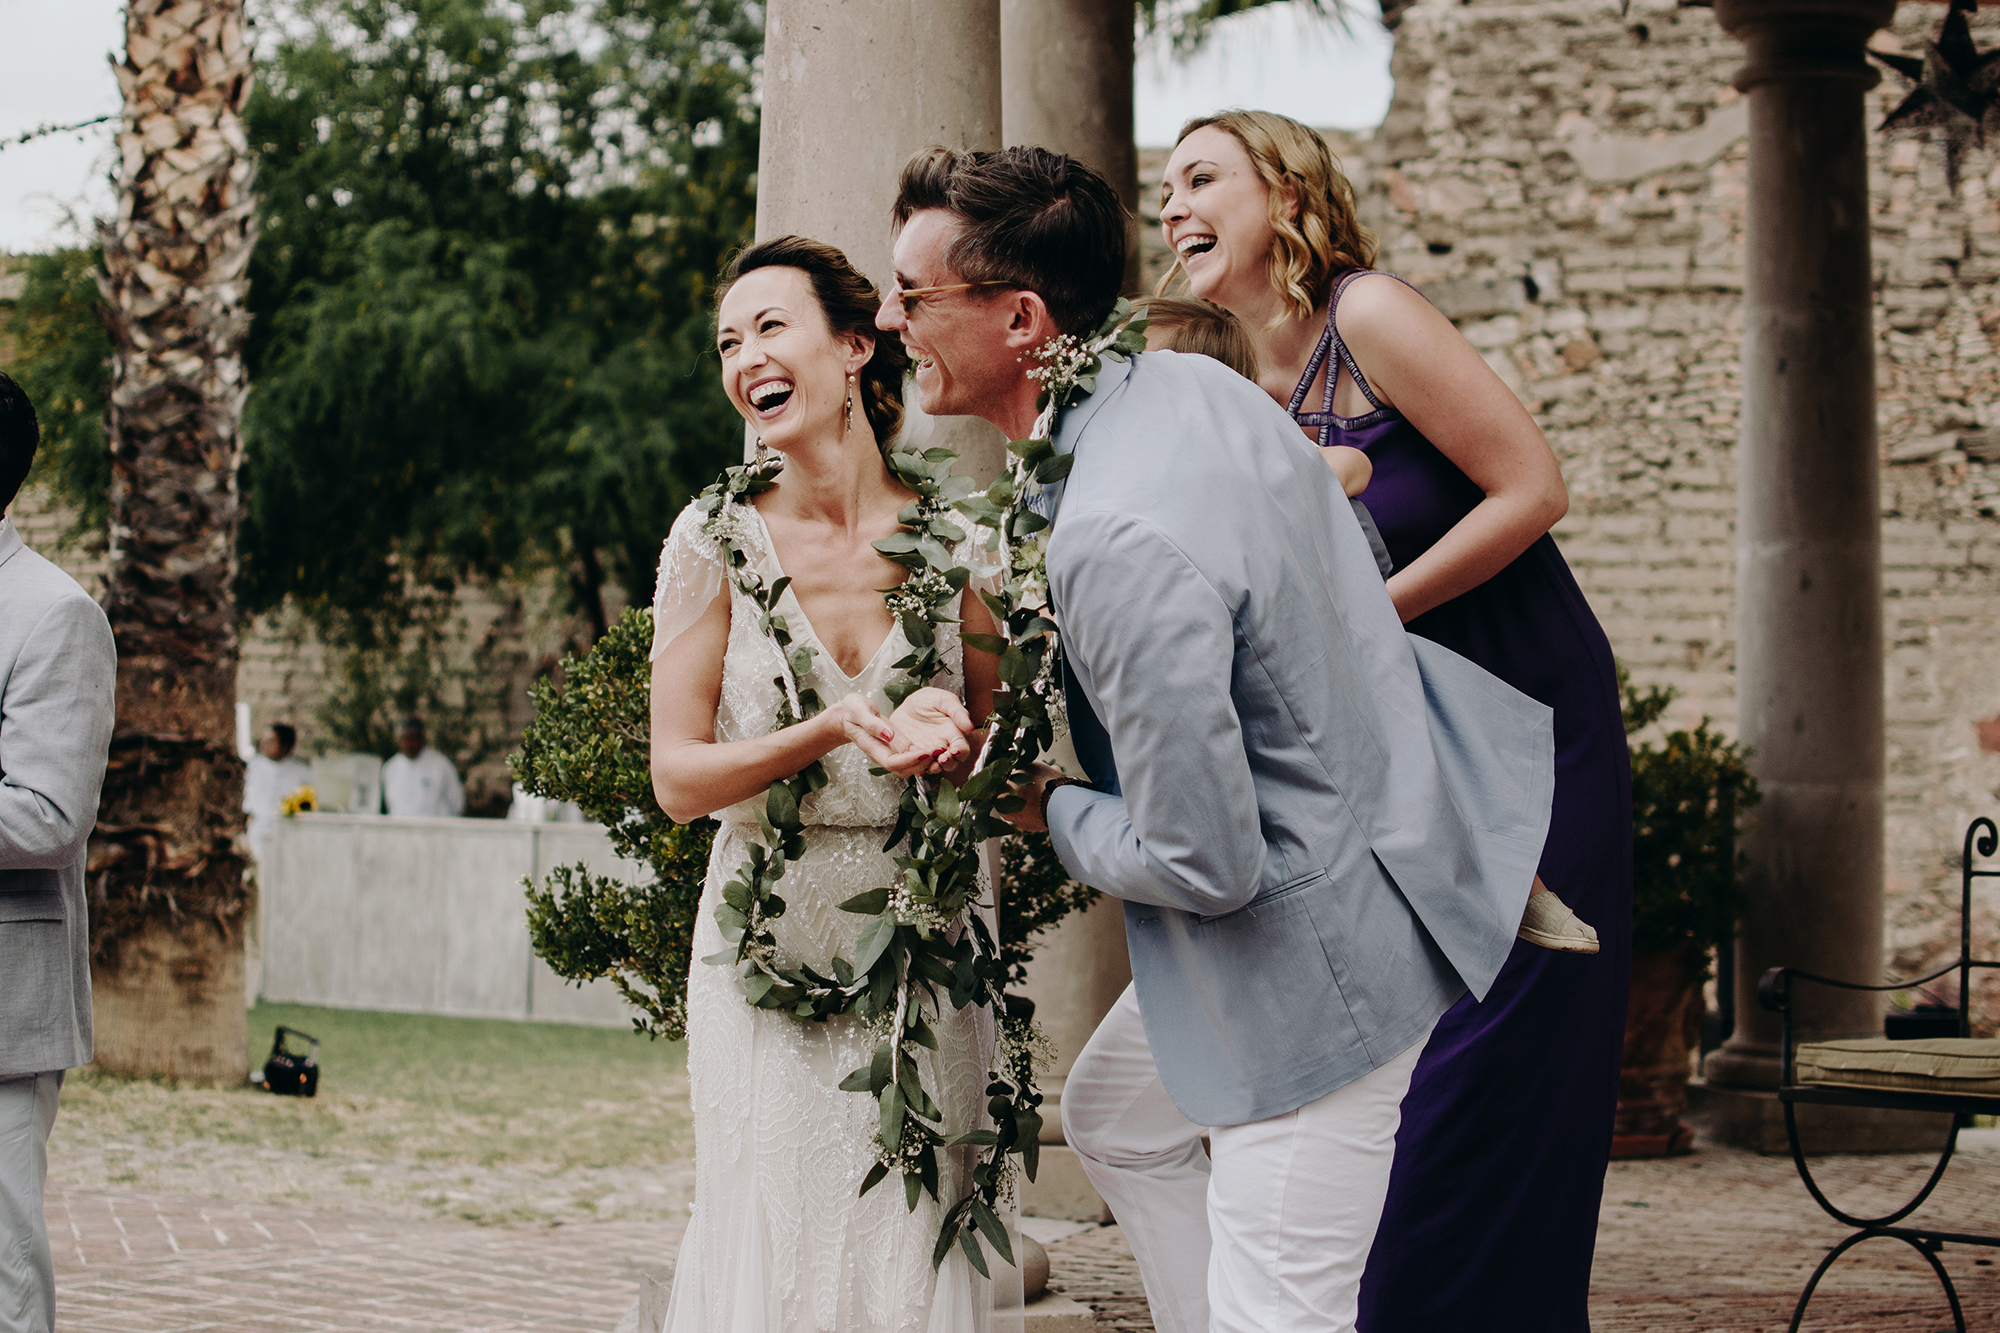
(970, 1245)
(985, 643)
(985, 783)
(756, 986)
(876, 1174)
(872, 903)
(989, 1227)
(946, 804)
(780, 806)
(927, 1167)
(858, 1081)
(913, 1189)
(1017, 668)
(1055, 468)
(892, 1117)
(876, 937)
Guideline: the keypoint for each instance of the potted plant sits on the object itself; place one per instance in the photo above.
(1688, 792)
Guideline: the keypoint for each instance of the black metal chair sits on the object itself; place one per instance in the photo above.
(1874, 1073)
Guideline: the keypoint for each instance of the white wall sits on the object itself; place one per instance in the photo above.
(424, 916)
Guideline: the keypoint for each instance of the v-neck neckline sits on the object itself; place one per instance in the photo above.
(771, 554)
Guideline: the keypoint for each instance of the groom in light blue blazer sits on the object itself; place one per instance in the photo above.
(1324, 830)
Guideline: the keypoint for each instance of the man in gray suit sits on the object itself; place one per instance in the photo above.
(1324, 830)
(57, 672)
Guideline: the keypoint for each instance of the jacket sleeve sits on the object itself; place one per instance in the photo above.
(55, 731)
(1155, 644)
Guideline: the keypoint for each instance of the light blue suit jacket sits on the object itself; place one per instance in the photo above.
(1324, 829)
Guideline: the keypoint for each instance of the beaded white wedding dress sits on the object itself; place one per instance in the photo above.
(779, 1241)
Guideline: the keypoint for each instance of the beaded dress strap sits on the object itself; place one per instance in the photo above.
(1326, 419)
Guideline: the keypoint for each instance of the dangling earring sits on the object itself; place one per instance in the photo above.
(848, 428)
(763, 452)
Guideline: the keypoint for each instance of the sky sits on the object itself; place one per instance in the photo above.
(1279, 58)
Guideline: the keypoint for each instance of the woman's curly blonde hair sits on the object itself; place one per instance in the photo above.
(1327, 238)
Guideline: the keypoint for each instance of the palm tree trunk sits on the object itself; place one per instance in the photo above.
(169, 898)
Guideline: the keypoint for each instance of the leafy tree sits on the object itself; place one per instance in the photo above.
(63, 359)
(482, 291)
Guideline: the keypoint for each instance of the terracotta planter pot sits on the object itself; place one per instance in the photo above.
(1662, 1024)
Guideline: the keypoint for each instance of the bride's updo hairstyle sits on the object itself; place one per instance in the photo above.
(849, 302)
(1327, 238)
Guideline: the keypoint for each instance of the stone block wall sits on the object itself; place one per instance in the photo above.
(1569, 185)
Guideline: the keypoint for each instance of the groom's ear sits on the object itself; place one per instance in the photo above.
(1029, 323)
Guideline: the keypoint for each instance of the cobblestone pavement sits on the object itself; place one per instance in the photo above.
(140, 1263)
(1719, 1242)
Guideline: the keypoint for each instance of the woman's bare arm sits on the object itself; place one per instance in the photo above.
(693, 774)
(1417, 362)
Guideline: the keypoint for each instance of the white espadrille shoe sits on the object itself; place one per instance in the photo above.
(1549, 923)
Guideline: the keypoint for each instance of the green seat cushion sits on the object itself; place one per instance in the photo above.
(1967, 1066)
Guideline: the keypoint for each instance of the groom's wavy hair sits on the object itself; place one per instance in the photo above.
(849, 302)
(1029, 219)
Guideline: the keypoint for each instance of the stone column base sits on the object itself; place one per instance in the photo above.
(1052, 1312)
(1060, 1189)
(1754, 1119)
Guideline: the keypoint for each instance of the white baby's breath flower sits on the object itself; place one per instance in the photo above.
(724, 525)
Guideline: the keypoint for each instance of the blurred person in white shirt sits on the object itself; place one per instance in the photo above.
(420, 783)
(271, 773)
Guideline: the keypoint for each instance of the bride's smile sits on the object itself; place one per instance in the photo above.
(783, 368)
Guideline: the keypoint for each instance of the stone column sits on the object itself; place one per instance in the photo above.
(1068, 88)
(1808, 600)
(851, 89)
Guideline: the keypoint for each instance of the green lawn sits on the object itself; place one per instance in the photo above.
(486, 1120)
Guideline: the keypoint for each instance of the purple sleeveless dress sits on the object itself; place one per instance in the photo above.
(1491, 1220)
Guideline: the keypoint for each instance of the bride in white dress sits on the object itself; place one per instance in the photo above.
(779, 1241)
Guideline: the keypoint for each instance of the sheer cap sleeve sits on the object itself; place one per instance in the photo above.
(690, 577)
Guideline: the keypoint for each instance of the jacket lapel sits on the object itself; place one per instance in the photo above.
(1087, 735)
(1069, 429)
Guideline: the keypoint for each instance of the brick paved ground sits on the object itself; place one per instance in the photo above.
(1720, 1242)
(1715, 1243)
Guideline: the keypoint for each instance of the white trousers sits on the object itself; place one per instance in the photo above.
(1272, 1234)
(27, 1272)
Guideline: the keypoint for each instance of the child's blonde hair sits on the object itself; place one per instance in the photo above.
(1202, 328)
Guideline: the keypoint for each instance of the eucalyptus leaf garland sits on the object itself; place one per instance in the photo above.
(923, 944)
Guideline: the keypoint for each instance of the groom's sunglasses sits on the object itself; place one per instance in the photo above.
(899, 299)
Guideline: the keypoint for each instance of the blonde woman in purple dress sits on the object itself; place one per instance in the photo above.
(1492, 1212)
